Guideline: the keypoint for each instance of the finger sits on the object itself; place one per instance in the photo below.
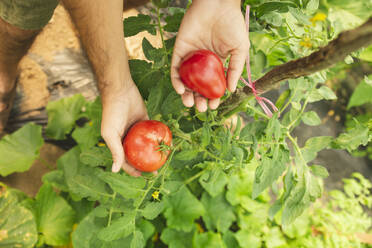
(213, 104)
(113, 141)
(155, 172)
(201, 103)
(235, 69)
(188, 99)
(175, 77)
(130, 170)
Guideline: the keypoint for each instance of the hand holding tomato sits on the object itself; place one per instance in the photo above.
(142, 145)
(121, 109)
(218, 26)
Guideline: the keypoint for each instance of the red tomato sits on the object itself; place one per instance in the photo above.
(141, 145)
(202, 71)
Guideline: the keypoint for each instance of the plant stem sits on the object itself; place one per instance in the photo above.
(110, 212)
(194, 177)
(161, 33)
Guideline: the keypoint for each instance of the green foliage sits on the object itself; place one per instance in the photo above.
(362, 93)
(17, 224)
(19, 150)
(248, 185)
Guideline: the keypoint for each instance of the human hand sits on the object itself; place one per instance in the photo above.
(121, 110)
(216, 25)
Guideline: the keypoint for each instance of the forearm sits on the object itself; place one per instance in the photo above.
(100, 25)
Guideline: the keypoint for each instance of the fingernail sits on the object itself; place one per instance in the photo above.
(115, 168)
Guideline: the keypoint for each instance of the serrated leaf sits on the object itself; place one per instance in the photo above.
(136, 24)
(19, 150)
(220, 214)
(206, 136)
(275, 238)
(246, 238)
(311, 118)
(181, 209)
(214, 183)
(173, 22)
(81, 179)
(54, 216)
(312, 5)
(127, 186)
(62, 115)
(87, 136)
(269, 171)
(314, 145)
(186, 155)
(156, 99)
(172, 104)
(208, 239)
(327, 93)
(152, 53)
(176, 239)
(297, 201)
(138, 240)
(279, 6)
(361, 95)
(144, 76)
(17, 223)
(319, 171)
(353, 138)
(56, 178)
(153, 209)
(119, 228)
(96, 156)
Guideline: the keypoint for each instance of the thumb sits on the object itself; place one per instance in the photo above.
(236, 65)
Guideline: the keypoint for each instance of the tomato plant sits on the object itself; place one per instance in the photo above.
(142, 145)
(202, 71)
(252, 185)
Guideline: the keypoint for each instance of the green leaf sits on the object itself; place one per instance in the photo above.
(157, 96)
(319, 171)
(181, 209)
(147, 228)
(300, 227)
(214, 181)
(173, 22)
(248, 239)
(81, 179)
(206, 136)
(62, 115)
(274, 238)
(19, 150)
(296, 203)
(56, 178)
(152, 53)
(127, 186)
(138, 240)
(172, 104)
(88, 135)
(176, 239)
(119, 228)
(314, 145)
(366, 54)
(144, 76)
(278, 6)
(17, 223)
(230, 240)
(220, 214)
(361, 95)
(311, 118)
(269, 171)
(353, 138)
(312, 5)
(327, 93)
(153, 209)
(208, 239)
(96, 156)
(299, 15)
(135, 24)
(186, 155)
(54, 216)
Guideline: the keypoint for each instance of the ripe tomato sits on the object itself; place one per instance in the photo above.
(202, 71)
(141, 145)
